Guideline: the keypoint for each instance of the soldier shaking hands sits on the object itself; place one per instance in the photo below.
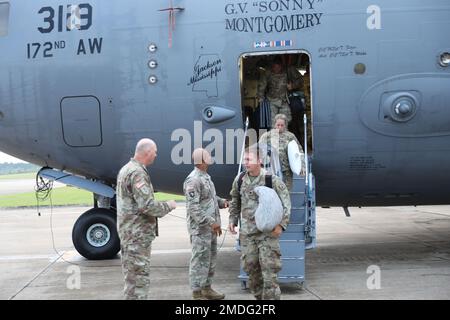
(137, 213)
(204, 226)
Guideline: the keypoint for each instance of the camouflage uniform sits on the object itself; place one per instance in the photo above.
(202, 206)
(260, 251)
(137, 213)
(280, 142)
(274, 87)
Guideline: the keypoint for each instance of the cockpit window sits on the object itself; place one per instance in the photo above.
(4, 18)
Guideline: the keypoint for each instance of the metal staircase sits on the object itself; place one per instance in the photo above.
(300, 234)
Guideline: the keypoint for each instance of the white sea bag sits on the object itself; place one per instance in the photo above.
(270, 210)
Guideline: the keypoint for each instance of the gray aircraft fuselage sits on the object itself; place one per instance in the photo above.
(80, 84)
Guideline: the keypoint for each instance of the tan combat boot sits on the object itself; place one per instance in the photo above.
(210, 294)
(197, 295)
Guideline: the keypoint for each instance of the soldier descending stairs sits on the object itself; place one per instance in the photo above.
(300, 233)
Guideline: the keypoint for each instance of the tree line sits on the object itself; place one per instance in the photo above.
(14, 168)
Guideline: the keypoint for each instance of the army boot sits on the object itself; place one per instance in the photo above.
(197, 295)
(210, 294)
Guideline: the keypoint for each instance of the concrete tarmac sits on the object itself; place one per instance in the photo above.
(410, 246)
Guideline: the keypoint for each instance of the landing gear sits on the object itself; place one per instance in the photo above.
(94, 235)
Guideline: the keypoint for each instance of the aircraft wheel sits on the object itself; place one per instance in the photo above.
(94, 235)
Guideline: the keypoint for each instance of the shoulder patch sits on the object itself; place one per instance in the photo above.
(140, 184)
(191, 194)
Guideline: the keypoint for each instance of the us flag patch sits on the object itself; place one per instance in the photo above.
(273, 44)
(140, 184)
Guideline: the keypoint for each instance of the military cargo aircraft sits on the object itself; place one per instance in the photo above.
(81, 83)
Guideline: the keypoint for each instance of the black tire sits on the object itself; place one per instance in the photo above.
(103, 223)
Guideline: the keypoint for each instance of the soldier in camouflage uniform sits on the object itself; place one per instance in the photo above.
(137, 213)
(279, 139)
(260, 251)
(204, 226)
(275, 85)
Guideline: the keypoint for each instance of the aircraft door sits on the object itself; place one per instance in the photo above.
(268, 90)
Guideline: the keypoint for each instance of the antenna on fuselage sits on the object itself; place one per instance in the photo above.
(172, 21)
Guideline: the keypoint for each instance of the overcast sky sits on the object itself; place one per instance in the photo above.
(7, 158)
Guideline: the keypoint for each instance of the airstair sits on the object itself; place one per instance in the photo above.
(300, 234)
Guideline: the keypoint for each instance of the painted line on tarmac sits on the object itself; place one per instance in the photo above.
(73, 256)
(177, 251)
(51, 258)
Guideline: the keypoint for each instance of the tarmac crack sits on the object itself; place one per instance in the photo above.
(312, 293)
(36, 277)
